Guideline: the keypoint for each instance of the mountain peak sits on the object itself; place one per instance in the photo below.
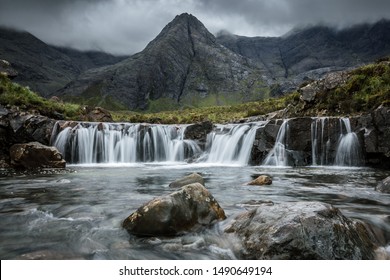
(186, 18)
(183, 28)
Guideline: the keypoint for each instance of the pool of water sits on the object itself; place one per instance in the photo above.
(78, 215)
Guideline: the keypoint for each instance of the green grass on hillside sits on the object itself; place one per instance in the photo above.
(217, 114)
(13, 94)
(366, 88)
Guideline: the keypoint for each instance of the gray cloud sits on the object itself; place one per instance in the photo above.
(126, 26)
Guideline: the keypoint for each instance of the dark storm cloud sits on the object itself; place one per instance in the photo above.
(126, 26)
(300, 12)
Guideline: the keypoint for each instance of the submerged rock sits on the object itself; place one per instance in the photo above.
(261, 180)
(384, 186)
(187, 209)
(36, 155)
(187, 180)
(302, 230)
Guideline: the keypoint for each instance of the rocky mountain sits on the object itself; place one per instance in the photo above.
(309, 53)
(183, 65)
(45, 68)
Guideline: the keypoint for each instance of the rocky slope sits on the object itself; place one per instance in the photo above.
(183, 65)
(309, 53)
(44, 68)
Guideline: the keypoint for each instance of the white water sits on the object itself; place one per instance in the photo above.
(320, 142)
(89, 143)
(348, 150)
(231, 144)
(278, 155)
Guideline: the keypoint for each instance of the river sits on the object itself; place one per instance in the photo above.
(78, 215)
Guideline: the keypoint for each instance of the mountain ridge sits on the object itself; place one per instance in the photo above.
(45, 68)
(187, 66)
(183, 65)
(309, 53)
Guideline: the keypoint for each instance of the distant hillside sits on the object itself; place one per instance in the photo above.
(44, 68)
(308, 53)
(182, 66)
(186, 66)
(346, 93)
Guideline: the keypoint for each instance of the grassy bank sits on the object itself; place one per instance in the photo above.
(13, 94)
(365, 89)
(217, 114)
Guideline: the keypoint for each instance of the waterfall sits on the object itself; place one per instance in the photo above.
(320, 142)
(348, 149)
(231, 143)
(278, 155)
(124, 143)
(334, 143)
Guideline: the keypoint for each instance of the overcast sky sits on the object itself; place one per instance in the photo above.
(126, 26)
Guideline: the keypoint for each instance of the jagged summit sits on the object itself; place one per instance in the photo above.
(183, 26)
(183, 65)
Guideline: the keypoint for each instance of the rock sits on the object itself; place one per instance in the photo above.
(187, 180)
(7, 70)
(302, 230)
(36, 155)
(21, 127)
(384, 186)
(198, 131)
(187, 209)
(309, 92)
(99, 114)
(261, 180)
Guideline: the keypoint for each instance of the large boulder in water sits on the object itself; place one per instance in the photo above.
(36, 155)
(187, 180)
(302, 230)
(187, 209)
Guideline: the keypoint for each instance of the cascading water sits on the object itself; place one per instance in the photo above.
(231, 144)
(334, 143)
(348, 150)
(320, 142)
(124, 143)
(278, 155)
(332, 140)
(88, 143)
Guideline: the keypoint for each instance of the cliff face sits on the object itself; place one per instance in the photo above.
(183, 65)
(311, 52)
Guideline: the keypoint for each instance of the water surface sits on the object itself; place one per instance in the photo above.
(78, 215)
